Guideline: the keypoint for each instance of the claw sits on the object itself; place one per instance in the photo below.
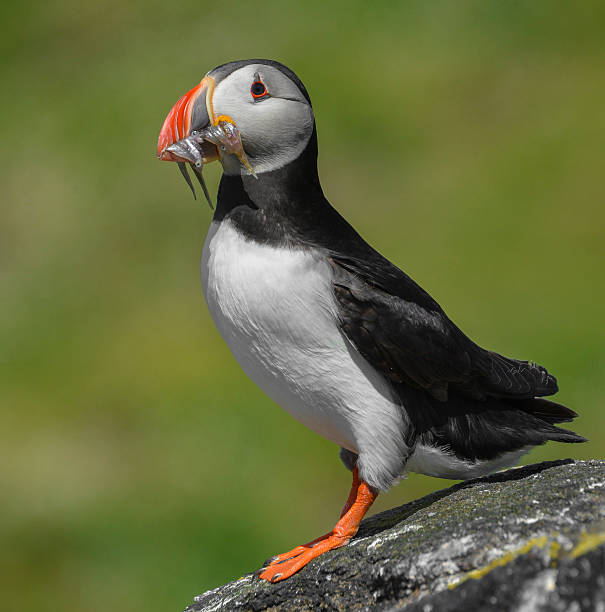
(183, 169)
(270, 560)
(360, 499)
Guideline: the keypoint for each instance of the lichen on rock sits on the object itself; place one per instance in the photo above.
(528, 539)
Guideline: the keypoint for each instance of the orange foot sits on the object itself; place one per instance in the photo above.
(360, 499)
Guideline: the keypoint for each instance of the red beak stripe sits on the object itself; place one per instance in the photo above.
(178, 122)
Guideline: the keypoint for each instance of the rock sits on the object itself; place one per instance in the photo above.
(528, 539)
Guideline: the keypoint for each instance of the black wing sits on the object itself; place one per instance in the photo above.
(403, 333)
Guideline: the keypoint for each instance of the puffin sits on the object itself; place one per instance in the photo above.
(332, 331)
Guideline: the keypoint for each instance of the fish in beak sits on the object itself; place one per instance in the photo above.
(194, 135)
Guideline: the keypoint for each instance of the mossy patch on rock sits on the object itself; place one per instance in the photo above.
(531, 538)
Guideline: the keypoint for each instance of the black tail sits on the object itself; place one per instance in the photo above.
(482, 430)
(547, 410)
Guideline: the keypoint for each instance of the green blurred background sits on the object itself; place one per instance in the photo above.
(465, 140)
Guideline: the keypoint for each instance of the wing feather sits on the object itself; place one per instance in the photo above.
(405, 334)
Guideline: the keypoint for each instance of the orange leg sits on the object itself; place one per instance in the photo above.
(360, 499)
(299, 549)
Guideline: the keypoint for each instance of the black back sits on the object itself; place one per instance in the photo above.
(457, 395)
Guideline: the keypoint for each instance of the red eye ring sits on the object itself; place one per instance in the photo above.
(258, 90)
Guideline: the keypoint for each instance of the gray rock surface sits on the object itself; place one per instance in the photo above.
(529, 539)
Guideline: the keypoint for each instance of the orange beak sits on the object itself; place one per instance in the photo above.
(192, 134)
(185, 116)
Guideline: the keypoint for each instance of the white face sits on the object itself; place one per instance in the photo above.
(274, 128)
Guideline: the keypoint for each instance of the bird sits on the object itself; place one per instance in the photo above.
(332, 331)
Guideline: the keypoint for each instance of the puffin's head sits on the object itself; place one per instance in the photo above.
(255, 116)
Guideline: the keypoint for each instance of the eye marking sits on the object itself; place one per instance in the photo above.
(258, 89)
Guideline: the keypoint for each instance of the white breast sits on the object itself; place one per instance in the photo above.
(275, 309)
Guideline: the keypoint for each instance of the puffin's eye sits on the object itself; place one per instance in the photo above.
(258, 90)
